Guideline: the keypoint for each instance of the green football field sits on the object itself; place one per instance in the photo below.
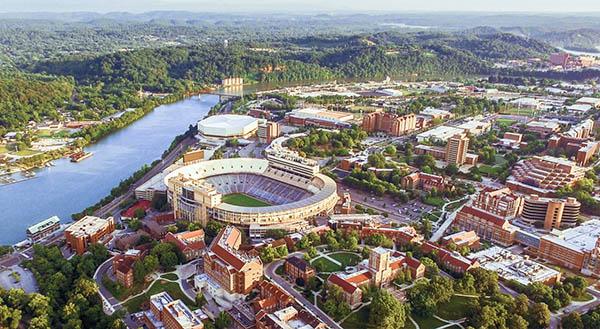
(243, 200)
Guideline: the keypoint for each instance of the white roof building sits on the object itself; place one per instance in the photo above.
(441, 133)
(510, 266)
(228, 126)
(595, 102)
(579, 108)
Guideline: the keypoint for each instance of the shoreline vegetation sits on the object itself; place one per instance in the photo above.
(93, 134)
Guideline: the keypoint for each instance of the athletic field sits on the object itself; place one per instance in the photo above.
(243, 200)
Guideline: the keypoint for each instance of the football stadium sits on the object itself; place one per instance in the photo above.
(255, 194)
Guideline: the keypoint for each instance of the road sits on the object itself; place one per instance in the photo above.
(270, 273)
(17, 257)
(112, 207)
(449, 219)
(101, 271)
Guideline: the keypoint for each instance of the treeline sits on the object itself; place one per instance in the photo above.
(27, 97)
(68, 295)
(172, 69)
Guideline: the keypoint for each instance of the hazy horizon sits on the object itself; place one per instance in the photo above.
(306, 6)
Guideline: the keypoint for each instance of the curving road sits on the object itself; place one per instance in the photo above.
(270, 273)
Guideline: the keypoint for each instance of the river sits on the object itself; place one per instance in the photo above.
(67, 188)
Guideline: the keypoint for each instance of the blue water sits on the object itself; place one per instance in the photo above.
(69, 187)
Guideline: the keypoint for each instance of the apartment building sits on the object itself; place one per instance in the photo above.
(441, 153)
(268, 131)
(235, 271)
(550, 213)
(543, 128)
(456, 149)
(389, 123)
(86, 231)
(451, 260)
(513, 267)
(424, 181)
(543, 175)
(501, 202)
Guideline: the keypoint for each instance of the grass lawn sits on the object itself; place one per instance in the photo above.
(489, 170)
(430, 322)
(500, 160)
(325, 265)
(119, 291)
(456, 308)
(506, 122)
(522, 111)
(434, 216)
(357, 320)
(243, 200)
(279, 270)
(26, 152)
(135, 304)
(170, 276)
(3, 149)
(586, 297)
(434, 201)
(346, 258)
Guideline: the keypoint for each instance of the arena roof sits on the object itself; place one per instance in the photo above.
(228, 125)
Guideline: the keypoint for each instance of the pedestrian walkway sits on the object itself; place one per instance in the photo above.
(321, 254)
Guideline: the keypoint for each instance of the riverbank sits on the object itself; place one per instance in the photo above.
(67, 188)
(93, 134)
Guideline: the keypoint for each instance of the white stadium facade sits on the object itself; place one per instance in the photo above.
(228, 126)
(196, 193)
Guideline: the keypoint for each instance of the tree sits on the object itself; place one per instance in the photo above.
(390, 150)
(486, 282)
(386, 311)
(139, 271)
(521, 305)
(516, 321)
(539, 316)
(223, 320)
(451, 169)
(151, 263)
(135, 224)
(200, 299)
(431, 268)
(169, 260)
(572, 321)
(139, 213)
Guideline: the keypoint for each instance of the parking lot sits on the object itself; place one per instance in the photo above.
(402, 213)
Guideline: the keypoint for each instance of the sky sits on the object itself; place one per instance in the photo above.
(300, 5)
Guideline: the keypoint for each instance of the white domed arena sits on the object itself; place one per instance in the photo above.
(228, 126)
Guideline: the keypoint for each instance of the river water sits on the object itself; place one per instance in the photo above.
(67, 188)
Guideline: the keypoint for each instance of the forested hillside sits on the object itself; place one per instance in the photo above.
(371, 56)
(30, 97)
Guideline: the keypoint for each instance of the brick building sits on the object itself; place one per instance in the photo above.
(297, 268)
(86, 231)
(389, 123)
(235, 271)
(167, 313)
(190, 243)
(383, 267)
(424, 181)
